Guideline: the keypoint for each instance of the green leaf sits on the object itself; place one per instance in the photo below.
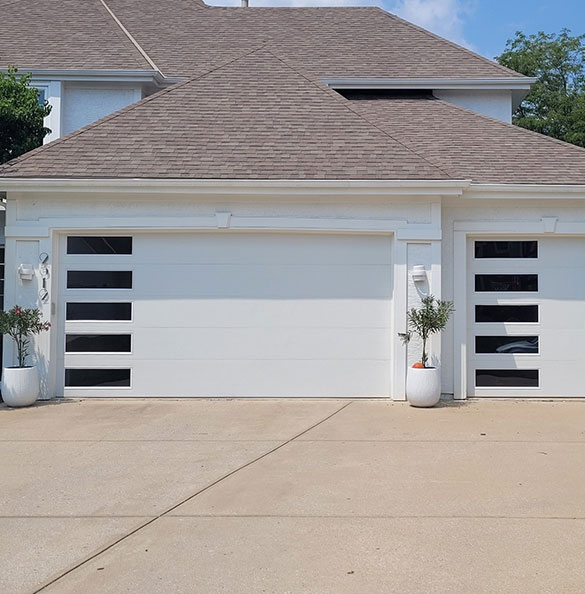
(21, 115)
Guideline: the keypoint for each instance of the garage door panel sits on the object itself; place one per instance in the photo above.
(212, 248)
(264, 379)
(237, 314)
(261, 343)
(262, 282)
(271, 313)
(560, 269)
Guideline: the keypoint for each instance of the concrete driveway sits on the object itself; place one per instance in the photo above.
(292, 497)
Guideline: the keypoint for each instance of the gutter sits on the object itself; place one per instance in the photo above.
(101, 75)
(237, 186)
(507, 83)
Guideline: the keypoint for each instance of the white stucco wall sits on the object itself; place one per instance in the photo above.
(84, 103)
(495, 104)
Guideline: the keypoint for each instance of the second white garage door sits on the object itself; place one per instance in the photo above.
(226, 314)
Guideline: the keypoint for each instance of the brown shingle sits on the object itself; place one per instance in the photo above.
(327, 42)
(68, 34)
(476, 147)
(186, 38)
(253, 118)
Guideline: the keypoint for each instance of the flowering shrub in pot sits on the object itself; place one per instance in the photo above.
(423, 381)
(20, 383)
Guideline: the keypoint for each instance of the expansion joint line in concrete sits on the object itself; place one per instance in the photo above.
(176, 505)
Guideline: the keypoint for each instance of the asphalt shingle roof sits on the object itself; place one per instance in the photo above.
(67, 34)
(473, 146)
(253, 118)
(259, 117)
(187, 37)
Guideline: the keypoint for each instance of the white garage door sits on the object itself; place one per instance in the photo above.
(226, 314)
(527, 317)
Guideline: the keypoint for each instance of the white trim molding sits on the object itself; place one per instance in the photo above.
(154, 77)
(238, 186)
(525, 191)
(512, 82)
(44, 226)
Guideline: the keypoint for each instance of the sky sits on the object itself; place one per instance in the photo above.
(481, 25)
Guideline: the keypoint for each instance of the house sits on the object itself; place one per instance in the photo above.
(247, 201)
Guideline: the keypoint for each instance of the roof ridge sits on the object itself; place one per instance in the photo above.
(120, 112)
(451, 43)
(509, 126)
(130, 37)
(345, 103)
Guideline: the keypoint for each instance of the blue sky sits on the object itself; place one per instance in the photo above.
(482, 25)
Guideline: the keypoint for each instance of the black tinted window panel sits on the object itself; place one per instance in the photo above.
(506, 283)
(97, 378)
(522, 314)
(506, 378)
(97, 343)
(506, 344)
(99, 279)
(506, 249)
(99, 311)
(99, 245)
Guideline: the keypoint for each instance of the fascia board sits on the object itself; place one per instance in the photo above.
(525, 191)
(511, 83)
(239, 187)
(95, 75)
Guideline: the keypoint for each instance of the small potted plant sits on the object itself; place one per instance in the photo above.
(20, 383)
(423, 381)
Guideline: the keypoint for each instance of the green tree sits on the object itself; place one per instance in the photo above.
(556, 104)
(430, 318)
(21, 115)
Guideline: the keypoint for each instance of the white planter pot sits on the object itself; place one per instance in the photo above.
(20, 386)
(423, 386)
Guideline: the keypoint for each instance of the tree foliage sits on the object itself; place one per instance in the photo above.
(556, 104)
(20, 323)
(21, 115)
(430, 318)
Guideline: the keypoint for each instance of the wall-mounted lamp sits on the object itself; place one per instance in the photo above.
(26, 272)
(418, 274)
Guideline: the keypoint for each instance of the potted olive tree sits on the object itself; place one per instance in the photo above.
(20, 383)
(423, 381)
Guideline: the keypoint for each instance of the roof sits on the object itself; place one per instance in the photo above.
(254, 118)
(471, 146)
(187, 38)
(258, 117)
(68, 34)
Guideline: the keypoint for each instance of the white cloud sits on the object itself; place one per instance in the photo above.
(443, 17)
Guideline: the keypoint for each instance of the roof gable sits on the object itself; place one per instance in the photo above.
(252, 118)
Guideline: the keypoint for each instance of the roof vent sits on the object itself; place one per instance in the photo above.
(244, 4)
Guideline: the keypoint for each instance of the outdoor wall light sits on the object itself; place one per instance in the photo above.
(418, 274)
(26, 272)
